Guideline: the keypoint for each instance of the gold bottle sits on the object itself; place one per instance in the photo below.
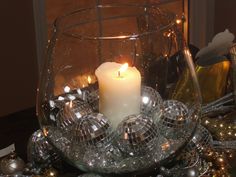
(212, 81)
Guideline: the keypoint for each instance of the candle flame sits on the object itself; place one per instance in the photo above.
(89, 80)
(123, 68)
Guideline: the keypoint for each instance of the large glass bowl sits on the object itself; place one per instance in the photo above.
(118, 93)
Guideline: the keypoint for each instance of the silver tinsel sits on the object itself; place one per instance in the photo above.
(137, 134)
(60, 139)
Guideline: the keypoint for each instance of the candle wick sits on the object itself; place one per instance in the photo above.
(118, 73)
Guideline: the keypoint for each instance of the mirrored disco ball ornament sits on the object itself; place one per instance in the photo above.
(92, 130)
(137, 135)
(174, 119)
(151, 102)
(39, 152)
(71, 112)
(201, 140)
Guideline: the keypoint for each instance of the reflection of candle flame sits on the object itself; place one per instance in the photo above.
(165, 146)
(187, 52)
(178, 21)
(71, 104)
(123, 68)
(66, 89)
(89, 80)
(45, 132)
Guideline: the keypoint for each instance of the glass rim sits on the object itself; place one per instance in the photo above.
(57, 23)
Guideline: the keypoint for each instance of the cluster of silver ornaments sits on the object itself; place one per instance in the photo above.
(139, 141)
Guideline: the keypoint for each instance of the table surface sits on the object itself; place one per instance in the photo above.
(18, 127)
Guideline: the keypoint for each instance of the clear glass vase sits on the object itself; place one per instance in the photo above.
(118, 92)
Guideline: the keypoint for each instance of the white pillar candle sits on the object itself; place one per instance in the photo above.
(119, 91)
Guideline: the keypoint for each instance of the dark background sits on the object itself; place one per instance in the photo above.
(18, 63)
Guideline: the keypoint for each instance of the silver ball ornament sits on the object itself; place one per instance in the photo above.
(71, 112)
(136, 134)
(192, 172)
(173, 120)
(92, 130)
(175, 114)
(11, 164)
(151, 101)
(201, 140)
(39, 151)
